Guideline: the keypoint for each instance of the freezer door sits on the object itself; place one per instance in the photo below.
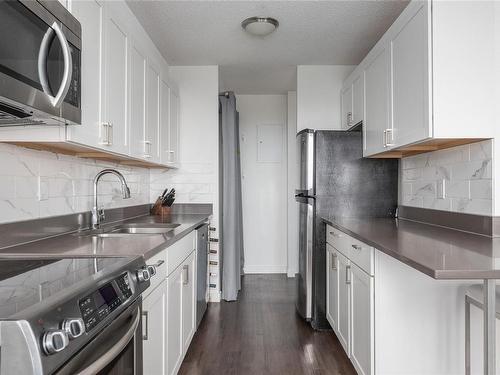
(305, 162)
(304, 277)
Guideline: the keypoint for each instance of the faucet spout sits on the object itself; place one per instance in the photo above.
(98, 213)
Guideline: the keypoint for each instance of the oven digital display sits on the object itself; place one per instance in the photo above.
(108, 293)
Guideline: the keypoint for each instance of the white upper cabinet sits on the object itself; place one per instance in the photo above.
(174, 127)
(152, 136)
(91, 14)
(376, 127)
(428, 79)
(353, 101)
(122, 103)
(137, 102)
(358, 99)
(115, 119)
(164, 122)
(347, 107)
(410, 79)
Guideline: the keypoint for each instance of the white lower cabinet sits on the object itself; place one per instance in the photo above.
(174, 349)
(343, 330)
(350, 298)
(362, 353)
(153, 330)
(188, 300)
(332, 287)
(169, 310)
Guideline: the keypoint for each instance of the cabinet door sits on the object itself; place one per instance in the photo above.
(152, 139)
(188, 300)
(174, 127)
(115, 121)
(174, 349)
(91, 15)
(358, 99)
(332, 287)
(344, 275)
(347, 107)
(164, 122)
(377, 118)
(410, 79)
(362, 329)
(153, 331)
(137, 101)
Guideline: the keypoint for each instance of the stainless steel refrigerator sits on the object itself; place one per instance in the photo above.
(334, 181)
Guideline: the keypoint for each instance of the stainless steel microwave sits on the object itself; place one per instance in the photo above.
(40, 60)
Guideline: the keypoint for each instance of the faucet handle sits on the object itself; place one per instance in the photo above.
(100, 212)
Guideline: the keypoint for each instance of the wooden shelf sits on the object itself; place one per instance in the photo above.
(425, 146)
(87, 152)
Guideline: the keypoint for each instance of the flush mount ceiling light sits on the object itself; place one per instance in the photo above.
(260, 26)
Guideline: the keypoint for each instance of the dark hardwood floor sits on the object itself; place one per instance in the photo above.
(262, 334)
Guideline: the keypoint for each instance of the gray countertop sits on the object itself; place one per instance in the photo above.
(73, 245)
(439, 252)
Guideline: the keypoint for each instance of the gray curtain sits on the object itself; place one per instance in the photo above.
(232, 258)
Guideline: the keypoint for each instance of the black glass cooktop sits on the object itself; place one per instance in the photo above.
(26, 282)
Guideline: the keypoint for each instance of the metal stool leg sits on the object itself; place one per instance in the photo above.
(489, 327)
(467, 336)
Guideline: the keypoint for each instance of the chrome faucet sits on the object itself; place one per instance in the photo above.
(98, 213)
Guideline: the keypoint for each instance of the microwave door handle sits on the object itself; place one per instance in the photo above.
(42, 65)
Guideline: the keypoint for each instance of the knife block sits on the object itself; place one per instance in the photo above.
(160, 210)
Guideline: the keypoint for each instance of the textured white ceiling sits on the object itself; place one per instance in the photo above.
(310, 32)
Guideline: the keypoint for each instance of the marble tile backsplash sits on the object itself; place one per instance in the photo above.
(35, 184)
(466, 172)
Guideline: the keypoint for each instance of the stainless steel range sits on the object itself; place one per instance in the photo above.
(72, 316)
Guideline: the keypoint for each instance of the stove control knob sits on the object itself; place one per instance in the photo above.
(143, 275)
(55, 341)
(152, 270)
(73, 327)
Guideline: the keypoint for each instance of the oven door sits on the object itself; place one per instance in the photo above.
(39, 65)
(116, 350)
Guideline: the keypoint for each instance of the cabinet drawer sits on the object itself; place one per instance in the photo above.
(337, 239)
(179, 251)
(358, 252)
(159, 260)
(361, 254)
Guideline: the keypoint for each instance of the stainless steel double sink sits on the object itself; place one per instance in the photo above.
(123, 230)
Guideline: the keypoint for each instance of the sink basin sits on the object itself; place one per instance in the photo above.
(131, 229)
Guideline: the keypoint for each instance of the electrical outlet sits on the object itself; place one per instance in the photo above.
(441, 189)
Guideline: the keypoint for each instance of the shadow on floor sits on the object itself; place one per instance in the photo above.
(262, 334)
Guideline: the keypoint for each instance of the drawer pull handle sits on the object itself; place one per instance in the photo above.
(347, 273)
(334, 261)
(159, 263)
(357, 247)
(335, 235)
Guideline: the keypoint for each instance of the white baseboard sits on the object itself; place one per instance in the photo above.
(264, 269)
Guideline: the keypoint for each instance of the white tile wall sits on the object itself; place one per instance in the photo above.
(36, 184)
(467, 174)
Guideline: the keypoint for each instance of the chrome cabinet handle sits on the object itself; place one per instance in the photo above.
(334, 261)
(349, 118)
(147, 149)
(110, 134)
(385, 138)
(145, 335)
(186, 273)
(347, 273)
(357, 247)
(42, 65)
(159, 263)
(106, 141)
(388, 140)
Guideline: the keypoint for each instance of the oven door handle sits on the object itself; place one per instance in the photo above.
(42, 65)
(114, 351)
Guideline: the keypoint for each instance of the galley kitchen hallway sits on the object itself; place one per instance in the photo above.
(262, 334)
